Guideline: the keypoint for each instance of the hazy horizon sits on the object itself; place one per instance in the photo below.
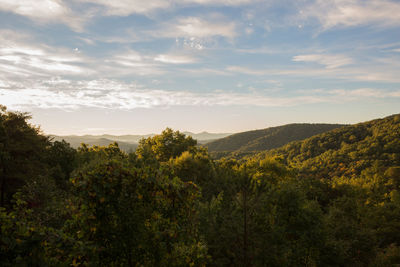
(225, 66)
(97, 133)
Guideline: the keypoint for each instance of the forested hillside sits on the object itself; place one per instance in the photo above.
(349, 151)
(269, 138)
(330, 200)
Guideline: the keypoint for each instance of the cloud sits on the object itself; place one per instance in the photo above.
(377, 70)
(44, 11)
(175, 59)
(364, 92)
(20, 56)
(128, 7)
(330, 61)
(348, 13)
(221, 2)
(39, 9)
(128, 63)
(112, 94)
(135, 98)
(303, 72)
(205, 72)
(188, 32)
(196, 28)
(77, 13)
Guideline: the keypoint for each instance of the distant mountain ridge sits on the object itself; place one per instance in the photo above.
(269, 138)
(128, 142)
(206, 136)
(75, 141)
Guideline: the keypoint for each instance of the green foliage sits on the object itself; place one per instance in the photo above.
(88, 157)
(20, 241)
(330, 200)
(347, 151)
(196, 166)
(136, 217)
(22, 153)
(126, 143)
(265, 139)
(62, 159)
(168, 145)
(389, 256)
(263, 219)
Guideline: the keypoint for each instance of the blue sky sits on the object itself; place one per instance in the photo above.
(120, 67)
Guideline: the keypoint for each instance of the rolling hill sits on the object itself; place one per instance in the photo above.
(366, 148)
(269, 138)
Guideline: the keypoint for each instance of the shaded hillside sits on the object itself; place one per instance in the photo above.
(268, 138)
(350, 151)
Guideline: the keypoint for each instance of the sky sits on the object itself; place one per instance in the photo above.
(137, 67)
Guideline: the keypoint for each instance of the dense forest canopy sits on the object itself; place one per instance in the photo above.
(330, 200)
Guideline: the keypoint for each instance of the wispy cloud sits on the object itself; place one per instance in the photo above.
(175, 59)
(77, 13)
(329, 61)
(196, 27)
(375, 71)
(44, 11)
(20, 56)
(201, 28)
(112, 94)
(364, 92)
(194, 32)
(23, 56)
(205, 72)
(131, 99)
(128, 7)
(220, 2)
(347, 13)
(129, 62)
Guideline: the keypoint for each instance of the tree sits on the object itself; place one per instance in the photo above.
(61, 158)
(196, 166)
(22, 155)
(128, 216)
(169, 144)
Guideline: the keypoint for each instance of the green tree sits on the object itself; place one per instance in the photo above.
(22, 155)
(61, 158)
(169, 144)
(128, 216)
